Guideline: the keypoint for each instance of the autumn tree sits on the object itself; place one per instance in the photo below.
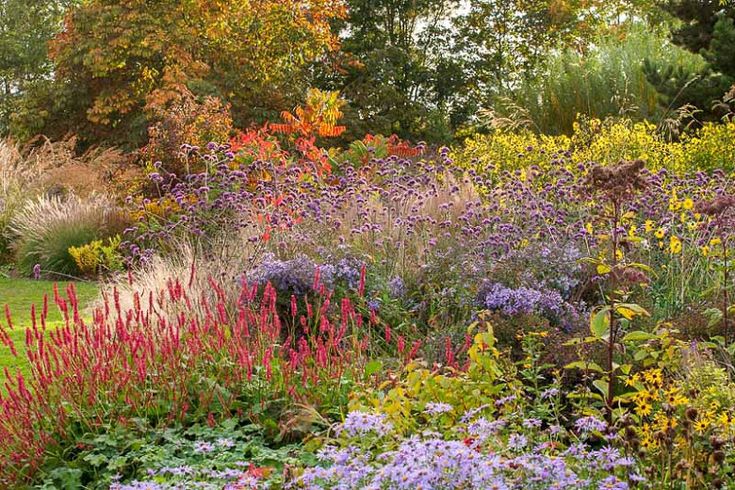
(118, 61)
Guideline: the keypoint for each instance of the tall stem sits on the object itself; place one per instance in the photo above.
(611, 339)
(725, 295)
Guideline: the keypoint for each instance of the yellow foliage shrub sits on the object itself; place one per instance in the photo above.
(605, 142)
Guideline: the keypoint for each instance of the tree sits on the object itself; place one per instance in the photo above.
(25, 30)
(116, 61)
(423, 68)
(393, 68)
(704, 27)
(508, 43)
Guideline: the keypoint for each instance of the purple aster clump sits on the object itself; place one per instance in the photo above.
(396, 287)
(416, 463)
(295, 276)
(522, 300)
(590, 424)
(362, 423)
(434, 462)
(348, 271)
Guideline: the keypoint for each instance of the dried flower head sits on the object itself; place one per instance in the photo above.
(618, 182)
(717, 206)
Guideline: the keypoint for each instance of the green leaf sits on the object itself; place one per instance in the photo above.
(638, 336)
(601, 386)
(585, 366)
(600, 323)
(640, 355)
(373, 367)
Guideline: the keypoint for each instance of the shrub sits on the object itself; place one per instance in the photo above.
(96, 257)
(602, 141)
(191, 122)
(45, 229)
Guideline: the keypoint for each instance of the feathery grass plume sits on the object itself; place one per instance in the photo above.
(45, 228)
(193, 264)
(16, 178)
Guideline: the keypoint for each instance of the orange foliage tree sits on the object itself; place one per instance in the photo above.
(116, 61)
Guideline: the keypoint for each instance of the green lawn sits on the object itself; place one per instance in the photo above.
(19, 295)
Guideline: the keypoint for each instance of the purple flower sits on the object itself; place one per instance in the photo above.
(517, 442)
(438, 408)
(590, 424)
(612, 483)
(361, 423)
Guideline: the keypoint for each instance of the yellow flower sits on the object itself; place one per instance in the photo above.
(701, 425)
(674, 245)
(688, 203)
(714, 242)
(664, 423)
(705, 250)
(632, 231)
(648, 444)
(675, 398)
(649, 226)
(588, 228)
(660, 233)
(643, 409)
(654, 377)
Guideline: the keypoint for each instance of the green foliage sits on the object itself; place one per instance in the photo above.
(97, 258)
(706, 28)
(404, 402)
(608, 79)
(125, 453)
(25, 30)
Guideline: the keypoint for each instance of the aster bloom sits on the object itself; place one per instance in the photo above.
(517, 442)
(437, 408)
(203, 447)
(361, 423)
(590, 424)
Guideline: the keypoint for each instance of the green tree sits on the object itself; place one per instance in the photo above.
(612, 78)
(704, 27)
(395, 67)
(25, 30)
